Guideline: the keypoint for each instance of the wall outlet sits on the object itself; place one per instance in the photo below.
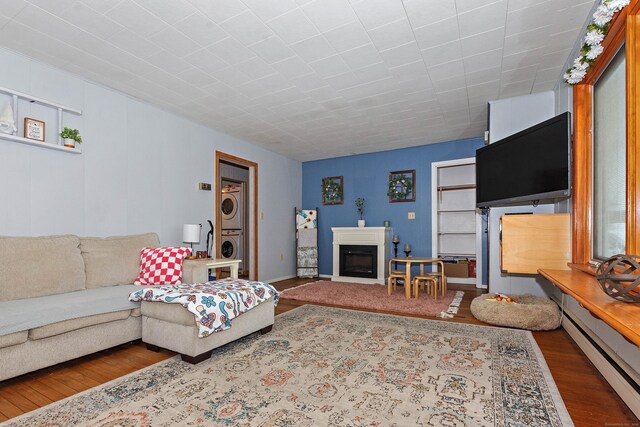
(281, 257)
(204, 186)
(261, 215)
(411, 215)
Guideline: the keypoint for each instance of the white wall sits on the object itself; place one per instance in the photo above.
(138, 171)
(506, 117)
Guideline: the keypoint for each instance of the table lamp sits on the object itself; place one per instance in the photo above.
(191, 235)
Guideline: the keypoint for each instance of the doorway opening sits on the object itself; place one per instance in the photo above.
(236, 198)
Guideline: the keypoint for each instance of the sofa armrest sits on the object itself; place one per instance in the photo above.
(195, 271)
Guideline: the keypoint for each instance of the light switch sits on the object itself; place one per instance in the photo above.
(261, 215)
(411, 215)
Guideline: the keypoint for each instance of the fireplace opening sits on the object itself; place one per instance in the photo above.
(359, 261)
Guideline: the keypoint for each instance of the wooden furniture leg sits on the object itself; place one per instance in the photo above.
(443, 279)
(407, 281)
(392, 280)
(194, 360)
(266, 329)
(389, 290)
(152, 347)
(444, 285)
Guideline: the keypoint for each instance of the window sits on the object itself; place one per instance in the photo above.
(609, 160)
(605, 201)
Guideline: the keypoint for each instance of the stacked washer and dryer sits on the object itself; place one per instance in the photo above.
(231, 209)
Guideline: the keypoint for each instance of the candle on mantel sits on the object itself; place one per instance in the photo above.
(396, 239)
(407, 248)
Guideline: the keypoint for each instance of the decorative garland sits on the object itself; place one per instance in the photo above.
(400, 186)
(331, 191)
(592, 46)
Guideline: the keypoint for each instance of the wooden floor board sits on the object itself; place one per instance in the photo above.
(43, 388)
(8, 409)
(18, 400)
(588, 397)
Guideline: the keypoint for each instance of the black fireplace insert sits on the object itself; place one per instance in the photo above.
(359, 261)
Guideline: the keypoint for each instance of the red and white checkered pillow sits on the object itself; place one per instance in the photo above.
(161, 266)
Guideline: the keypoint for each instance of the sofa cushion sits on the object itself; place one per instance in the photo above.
(39, 266)
(114, 260)
(174, 313)
(26, 314)
(73, 324)
(13, 339)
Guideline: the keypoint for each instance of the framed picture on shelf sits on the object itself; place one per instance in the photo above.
(402, 186)
(34, 129)
(332, 191)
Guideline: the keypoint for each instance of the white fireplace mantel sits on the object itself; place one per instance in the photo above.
(374, 236)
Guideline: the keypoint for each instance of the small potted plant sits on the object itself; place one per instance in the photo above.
(360, 207)
(71, 137)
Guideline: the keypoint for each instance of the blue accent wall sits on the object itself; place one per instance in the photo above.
(367, 175)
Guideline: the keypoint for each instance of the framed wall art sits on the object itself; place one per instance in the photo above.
(34, 129)
(332, 190)
(402, 186)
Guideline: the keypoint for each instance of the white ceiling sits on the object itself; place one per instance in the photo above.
(309, 79)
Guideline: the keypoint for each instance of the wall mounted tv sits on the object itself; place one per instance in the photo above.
(531, 166)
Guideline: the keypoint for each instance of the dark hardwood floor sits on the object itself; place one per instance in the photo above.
(588, 397)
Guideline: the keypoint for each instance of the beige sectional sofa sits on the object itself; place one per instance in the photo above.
(62, 297)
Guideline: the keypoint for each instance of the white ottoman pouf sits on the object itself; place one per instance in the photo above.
(530, 312)
(173, 327)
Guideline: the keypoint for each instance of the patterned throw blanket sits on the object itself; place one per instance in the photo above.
(214, 304)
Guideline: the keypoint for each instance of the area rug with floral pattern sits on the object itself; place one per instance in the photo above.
(324, 366)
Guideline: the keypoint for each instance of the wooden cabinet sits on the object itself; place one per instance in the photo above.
(532, 242)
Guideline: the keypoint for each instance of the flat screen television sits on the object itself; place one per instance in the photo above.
(533, 165)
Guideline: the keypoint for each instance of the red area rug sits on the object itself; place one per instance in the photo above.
(374, 297)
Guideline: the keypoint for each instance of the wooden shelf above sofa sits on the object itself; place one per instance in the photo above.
(584, 288)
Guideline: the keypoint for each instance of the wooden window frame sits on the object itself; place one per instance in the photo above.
(624, 29)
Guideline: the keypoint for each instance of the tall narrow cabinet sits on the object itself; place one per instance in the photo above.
(456, 224)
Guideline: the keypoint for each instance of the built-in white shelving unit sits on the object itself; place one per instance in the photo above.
(455, 221)
(15, 97)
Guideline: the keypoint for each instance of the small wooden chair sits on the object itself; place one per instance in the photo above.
(392, 281)
(427, 280)
(441, 279)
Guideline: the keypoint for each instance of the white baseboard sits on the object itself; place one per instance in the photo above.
(277, 279)
(618, 382)
(350, 279)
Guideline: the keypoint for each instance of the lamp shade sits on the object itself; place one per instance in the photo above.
(191, 233)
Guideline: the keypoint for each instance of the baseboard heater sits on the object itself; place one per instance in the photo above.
(622, 378)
